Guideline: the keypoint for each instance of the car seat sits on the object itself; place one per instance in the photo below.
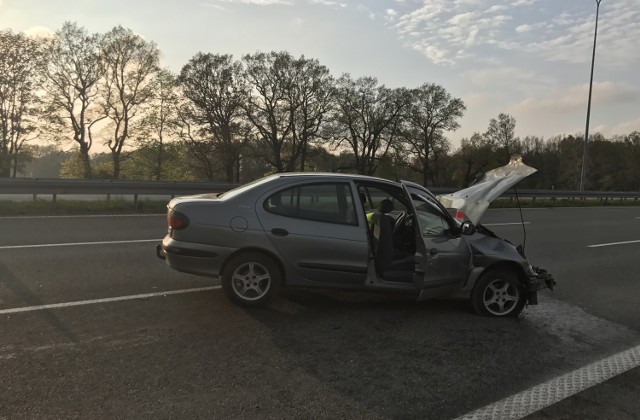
(386, 265)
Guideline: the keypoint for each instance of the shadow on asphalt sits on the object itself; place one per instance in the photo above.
(403, 359)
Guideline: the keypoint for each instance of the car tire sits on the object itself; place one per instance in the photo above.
(498, 293)
(251, 279)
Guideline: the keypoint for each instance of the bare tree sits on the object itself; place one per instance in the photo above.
(269, 106)
(501, 134)
(368, 119)
(130, 63)
(214, 88)
(75, 67)
(475, 156)
(159, 122)
(310, 99)
(432, 112)
(21, 65)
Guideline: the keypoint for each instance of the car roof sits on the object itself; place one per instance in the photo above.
(332, 175)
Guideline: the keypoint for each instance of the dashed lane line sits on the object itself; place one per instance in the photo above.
(79, 244)
(548, 393)
(105, 300)
(613, 243)
(505, 224)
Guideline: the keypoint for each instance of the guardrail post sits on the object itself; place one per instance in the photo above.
(53, 198)
(135, 201)
(35, 197)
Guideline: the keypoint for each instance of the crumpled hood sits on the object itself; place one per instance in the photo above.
(475, 200)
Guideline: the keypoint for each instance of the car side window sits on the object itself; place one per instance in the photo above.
(371, 198)
(430, 217)
(325, 202)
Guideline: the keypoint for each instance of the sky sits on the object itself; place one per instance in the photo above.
(527, 58)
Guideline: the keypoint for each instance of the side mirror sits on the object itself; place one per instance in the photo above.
(467, 228)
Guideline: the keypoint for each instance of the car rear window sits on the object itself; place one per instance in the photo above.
(327, 202)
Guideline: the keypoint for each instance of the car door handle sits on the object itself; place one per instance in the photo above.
(433, 252)
(280, 232)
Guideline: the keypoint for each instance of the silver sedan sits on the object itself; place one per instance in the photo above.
(345, 232)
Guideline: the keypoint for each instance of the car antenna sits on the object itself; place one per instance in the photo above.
(524, 229)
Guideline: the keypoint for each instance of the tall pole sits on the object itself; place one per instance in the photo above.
(586, 130)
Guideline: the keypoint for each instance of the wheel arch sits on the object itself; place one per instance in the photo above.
(501, 265)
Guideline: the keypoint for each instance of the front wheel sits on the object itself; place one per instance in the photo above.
(498, 293)
(251, 279)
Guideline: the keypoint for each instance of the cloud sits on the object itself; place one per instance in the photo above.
(433, 53)
(477, 100)
(575, 97)
(39, 31)
(498, 76)
(260, 2)
(366, 10)
(518, 3)
(328, 3)
(215, 6)
(497, 8)
(445, 30)
(561, 32)
(626, 127)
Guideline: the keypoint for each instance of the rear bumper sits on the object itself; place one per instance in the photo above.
(160, 252)
(193, 258)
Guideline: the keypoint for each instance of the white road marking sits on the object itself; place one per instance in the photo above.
(87, 216)
(613, 243)
(105, 300)
(505, 224)
(541, 396)
(79, 244)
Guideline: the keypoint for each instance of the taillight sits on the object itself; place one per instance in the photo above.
(177, 220)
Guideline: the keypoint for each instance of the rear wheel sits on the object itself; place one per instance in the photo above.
(251, 279)
(498, 293)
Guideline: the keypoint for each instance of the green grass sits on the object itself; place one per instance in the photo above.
(72, 207)
(564, 202)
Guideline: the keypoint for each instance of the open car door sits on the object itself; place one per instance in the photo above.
(443, 256)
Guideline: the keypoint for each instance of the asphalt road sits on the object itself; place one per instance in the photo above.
(309, 354)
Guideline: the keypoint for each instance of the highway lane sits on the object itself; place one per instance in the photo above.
(310, 354)
(605, 281)
(70, 229)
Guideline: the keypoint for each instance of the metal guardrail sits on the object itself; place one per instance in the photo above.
(56, 187)
(91, 186)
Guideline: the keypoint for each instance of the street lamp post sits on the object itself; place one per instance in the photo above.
(586, 130)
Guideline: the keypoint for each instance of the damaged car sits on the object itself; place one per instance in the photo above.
(353, 232)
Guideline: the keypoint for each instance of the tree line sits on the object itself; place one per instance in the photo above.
(234, 120)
